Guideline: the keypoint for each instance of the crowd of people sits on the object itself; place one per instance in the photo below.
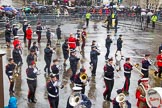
(73, 44)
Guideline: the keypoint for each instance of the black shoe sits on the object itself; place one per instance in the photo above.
(11, 91)
(65, 64)
(110, 100)
(29, 100)
(104, 97)
(33, 101)
(44, 69)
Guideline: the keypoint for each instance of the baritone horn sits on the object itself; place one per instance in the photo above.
(75, 100)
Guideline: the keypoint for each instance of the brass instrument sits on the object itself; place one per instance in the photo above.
(138, 70)
(15, 73)
(83, 77)
(75, 100)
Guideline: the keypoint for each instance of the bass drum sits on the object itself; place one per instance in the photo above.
(154, 97)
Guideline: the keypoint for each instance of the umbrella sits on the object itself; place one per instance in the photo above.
(143, 13)
(149, 13)
(27, 9)
(121, 6)
(8, 9)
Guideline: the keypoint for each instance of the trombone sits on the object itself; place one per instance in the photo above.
(135, 66)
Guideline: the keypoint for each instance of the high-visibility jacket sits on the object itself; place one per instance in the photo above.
(154, 18)
(113, 16)
(88, 15)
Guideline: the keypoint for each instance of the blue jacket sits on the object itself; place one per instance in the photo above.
(12, 102)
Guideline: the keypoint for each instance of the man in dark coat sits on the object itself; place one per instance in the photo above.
(119, 45)
(25, 25)
(94, 59)
(48, 51)
(73, 64)
(65, 49)
(8, 36)
(108, 42)
(39, 31)
(58, 32)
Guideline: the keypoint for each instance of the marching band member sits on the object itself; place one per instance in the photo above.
(141, 93)
(55, 67)
(16, 54)
(159, 63)
(10, 67)
(14, 30)
(80, 80)
(73, 64)
(72, 41)
(65, 49)
(78, 37)
(53, 90)
(31, 73)
(39, 31)
(83, 37)
(77, 100)
(108, 42)
(108, 79)
(48, 36)
(30, 57)
(29, 33)
(119, 45)
(120, 101)
(35, 48)
(48, 51)
(17, 42)
(145, 66)
(94, 59)
(127, 74)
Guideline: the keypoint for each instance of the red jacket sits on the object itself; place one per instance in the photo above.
(16, 42)
(29, 34)
(72, 42)
(141, 98)
(159, 60)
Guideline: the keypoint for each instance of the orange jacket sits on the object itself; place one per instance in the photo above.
(29, 34)
(159, 60)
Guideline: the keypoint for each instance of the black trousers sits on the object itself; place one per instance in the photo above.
(53, 102)
(74, 70)
(127, 81)
(24, 37)
(160, 71)
(108, 26)
(146, 74)
(153, 25)
(109, 86)
(32, 84)
(39, 37)
(107, 53)
(87, 22)
(94, 63)
(49, 41)
(48, 64)
(29, 44)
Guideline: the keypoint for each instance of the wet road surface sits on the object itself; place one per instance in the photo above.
(136, 44)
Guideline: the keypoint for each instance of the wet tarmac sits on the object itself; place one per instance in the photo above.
(136, 44)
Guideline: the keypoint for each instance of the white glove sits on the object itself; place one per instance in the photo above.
(10, 77)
